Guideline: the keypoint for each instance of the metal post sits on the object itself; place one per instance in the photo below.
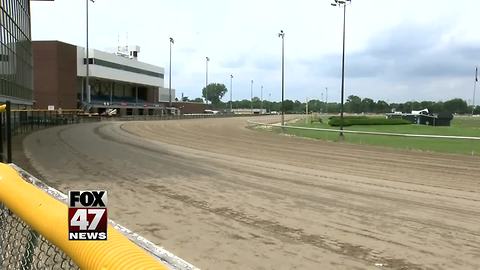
(88, 62)
(206, 79)
(343, 71)
(321, 100)
(306, 110)
(282, 35)
(306, 106)
(251, 96)
(261, 99)
(31, 120)
(474, 89)
(231, 91)
(326, 100)
(170, 75)
(269, 102)
(9, 132)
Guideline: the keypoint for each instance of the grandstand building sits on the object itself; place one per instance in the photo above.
(117, 80)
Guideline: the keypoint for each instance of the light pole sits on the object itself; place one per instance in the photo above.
(326, 100)
(269, 102)
(251, 96)
(206, 78)
(170, 74)
(231, 91)
(261, 99)
(282, 35)
(474, 89)
(343, 3)
(306, 111)
(321, 100)
(87, 77)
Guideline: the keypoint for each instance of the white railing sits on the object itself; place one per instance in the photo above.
(368, 132)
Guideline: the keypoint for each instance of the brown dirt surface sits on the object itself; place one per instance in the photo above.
(223, 196)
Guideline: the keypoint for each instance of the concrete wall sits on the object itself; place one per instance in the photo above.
(189, 107)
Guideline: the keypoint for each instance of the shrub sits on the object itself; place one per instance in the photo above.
(363, 120)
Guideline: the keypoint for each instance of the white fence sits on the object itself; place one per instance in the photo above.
(367, 132)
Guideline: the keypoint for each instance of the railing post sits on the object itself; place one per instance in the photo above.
(9, 132)
(31, 120)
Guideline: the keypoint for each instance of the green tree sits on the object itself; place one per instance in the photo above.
(199, 100)
(476, 110)
(214, 92)
(368, 105)
(288, 105)
(353, 104)
(456, 105)
(437, 107)
(243, 104)
(382, 107)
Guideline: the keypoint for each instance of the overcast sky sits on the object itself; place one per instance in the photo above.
(397, 50)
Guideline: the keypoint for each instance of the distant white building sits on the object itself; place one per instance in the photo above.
(424, 111)
(249, 111)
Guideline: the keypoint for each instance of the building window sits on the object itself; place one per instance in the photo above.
(15, 51)
(100, 62)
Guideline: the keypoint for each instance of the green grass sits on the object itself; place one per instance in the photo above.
(461, 126)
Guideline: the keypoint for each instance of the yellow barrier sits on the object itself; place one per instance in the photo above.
(49, 218)
(3, 107)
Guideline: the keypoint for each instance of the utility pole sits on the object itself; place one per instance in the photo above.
(251, 96)
(87, 77)
(326, 100)
(474, 89)
(282, 35)
(170, 75)
(261, 99)
(321, 110)
(344, 4)
(231, 91)
(306, 110)
(206, 79)
(269, 102)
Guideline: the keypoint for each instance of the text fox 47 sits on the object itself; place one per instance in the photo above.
(87, 215)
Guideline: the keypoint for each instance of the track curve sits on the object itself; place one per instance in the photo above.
(226, 197)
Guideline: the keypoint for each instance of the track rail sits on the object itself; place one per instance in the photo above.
(369, 132)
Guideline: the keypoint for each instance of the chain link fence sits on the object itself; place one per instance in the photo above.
(23, 248)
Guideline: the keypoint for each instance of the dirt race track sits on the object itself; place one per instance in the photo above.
(222, 196)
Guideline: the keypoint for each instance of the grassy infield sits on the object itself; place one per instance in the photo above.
(461, 126)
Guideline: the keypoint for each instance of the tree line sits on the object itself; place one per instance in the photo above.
(353, 104)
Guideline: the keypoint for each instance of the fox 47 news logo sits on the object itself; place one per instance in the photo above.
(87, 215)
